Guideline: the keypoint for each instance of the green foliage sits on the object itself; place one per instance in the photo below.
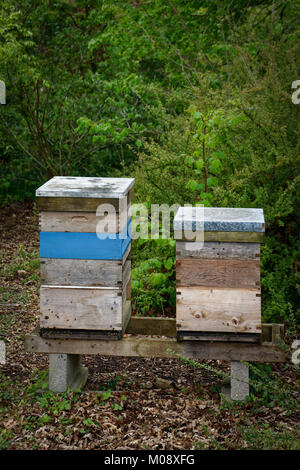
(207, 159)
(264, 437)
(153, 277)
(195, 101)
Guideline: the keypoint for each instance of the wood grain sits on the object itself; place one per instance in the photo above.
(82, 272)
(240, 237)
(85, 186)
(81, 222)
(81, 204)
(167, 327)
(126, 313)
(216, 336)
(152, 326)
(143, 346)
(88, 308)
(218, 273)
(217, 250)
(218, 309)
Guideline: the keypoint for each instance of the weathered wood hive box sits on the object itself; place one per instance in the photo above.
(84, 248)
(218, 279)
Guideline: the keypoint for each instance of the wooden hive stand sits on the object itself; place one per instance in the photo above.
(155, 337)
(72, 328)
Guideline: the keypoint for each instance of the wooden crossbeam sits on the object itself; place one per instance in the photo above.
(162, 347)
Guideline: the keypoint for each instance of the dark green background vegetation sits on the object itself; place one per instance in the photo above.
(192, 98)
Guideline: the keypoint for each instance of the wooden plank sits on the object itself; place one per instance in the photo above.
(82, 222)
(81, 204)
(235, 237)
(272, 332)
(85, 187)
(167, 327)
(152, 326)
(73, 245)
(82, 272)
(216, 336)
(218, 309)
(126, 313)
(81, 334)
(218, 273)
(217, 250)
(85, 308)
(276, 334)
(143, 346)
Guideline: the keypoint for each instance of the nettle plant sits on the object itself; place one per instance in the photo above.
(208, 133)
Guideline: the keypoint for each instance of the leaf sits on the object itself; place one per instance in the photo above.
(215, 165)
(212, 181)
(197, 115)
(172, 243)
(106, 395)
(116, 407)
(193, 185)
(199, 164)
(168, 264)
(158, 279)
(160, 241)
(219, 154)
(190, 161)
(154, 263)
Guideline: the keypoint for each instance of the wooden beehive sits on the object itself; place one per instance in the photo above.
(85, 273)
(218, 279)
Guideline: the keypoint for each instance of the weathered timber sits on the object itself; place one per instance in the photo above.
(55, 333)
(82, 221)
(215, 336)
(126, 312)
(167, 327)
(83, 272)
(85, 308)
(276, 334)
(85, 187)
(217, 250)
(240, 237)
(163, 326)
(152, 326)
(81, 204)
(141, 346)
(63, 333)
(218, 273)
(268, 332)
(218, 309)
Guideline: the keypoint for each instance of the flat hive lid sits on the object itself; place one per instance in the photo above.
(220, 219)
(89, 187)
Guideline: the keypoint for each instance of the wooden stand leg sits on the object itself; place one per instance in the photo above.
(66, 371)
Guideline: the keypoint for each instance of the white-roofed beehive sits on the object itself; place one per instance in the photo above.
(84, 248)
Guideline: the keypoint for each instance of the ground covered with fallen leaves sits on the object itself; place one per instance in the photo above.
(127, 403)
